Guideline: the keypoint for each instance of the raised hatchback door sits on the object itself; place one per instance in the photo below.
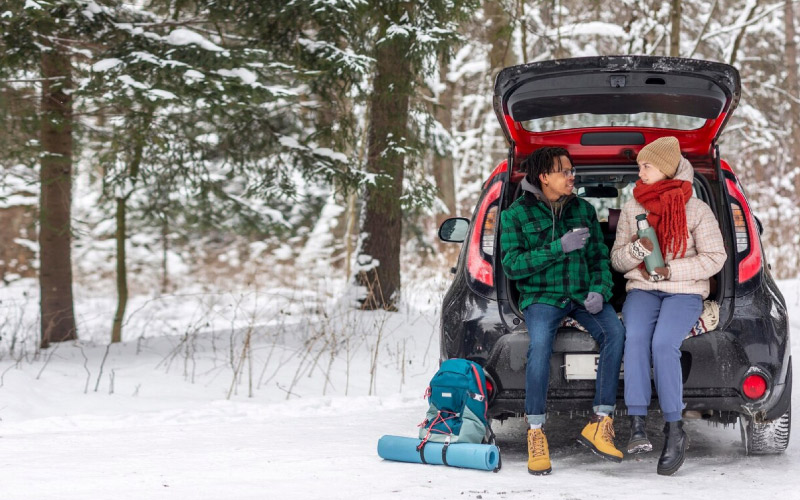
(606, 108)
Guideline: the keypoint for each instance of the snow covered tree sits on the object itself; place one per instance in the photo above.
(208, 127)
(38, 45)
(407, 40)
(186, 123)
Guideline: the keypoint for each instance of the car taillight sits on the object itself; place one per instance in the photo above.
(748, 244)
(481, 241)
(489, 227)
(754, 386)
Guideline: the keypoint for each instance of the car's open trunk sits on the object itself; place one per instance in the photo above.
(595, 176)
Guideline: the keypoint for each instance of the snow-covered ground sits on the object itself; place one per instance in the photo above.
(326, 384)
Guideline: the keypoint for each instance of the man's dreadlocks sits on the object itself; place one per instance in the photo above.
(541, 162)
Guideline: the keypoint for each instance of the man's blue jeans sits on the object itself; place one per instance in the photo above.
(543, 321)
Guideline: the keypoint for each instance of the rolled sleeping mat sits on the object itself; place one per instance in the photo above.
(467, 455)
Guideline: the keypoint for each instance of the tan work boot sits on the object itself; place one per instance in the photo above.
(538, 453)
(598, 436)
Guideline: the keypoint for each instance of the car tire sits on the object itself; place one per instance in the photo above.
(765, 438)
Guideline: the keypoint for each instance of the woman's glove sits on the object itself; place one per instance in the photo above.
(640, 248)
(661, 274)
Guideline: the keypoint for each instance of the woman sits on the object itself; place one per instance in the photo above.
(662, 307)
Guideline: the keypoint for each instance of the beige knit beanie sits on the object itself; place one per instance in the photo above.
(664, 153)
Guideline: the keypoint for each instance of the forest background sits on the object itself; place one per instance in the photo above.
(154, 149)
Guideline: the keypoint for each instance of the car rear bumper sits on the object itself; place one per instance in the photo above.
(714, 366)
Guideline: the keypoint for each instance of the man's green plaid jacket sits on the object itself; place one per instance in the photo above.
(530, 240)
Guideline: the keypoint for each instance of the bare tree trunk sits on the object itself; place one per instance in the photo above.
(164, 254)
(498, 34)
(793, 87)
(704, 29)
(122, 234)
(17, 223)
(523, 29)
(122, 273)
(379, 257)
(443, 165)
(18, 107)
(55, 205)
(738, 41)
(675, 34)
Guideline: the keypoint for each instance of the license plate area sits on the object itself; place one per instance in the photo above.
(582, 366)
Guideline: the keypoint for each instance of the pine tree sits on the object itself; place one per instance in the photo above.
(37, 45)
(409, 36)
(194, 121)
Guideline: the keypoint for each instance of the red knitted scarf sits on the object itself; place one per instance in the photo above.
(665, 202)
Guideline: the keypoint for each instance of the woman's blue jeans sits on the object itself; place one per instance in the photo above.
(543, 321)
(656, 324)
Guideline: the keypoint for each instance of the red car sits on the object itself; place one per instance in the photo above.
(604, 110)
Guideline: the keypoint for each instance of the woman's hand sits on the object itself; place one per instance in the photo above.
(640, 247)
(661, 274)
(645, 242)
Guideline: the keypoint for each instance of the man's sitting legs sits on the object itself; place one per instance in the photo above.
(542, 321)
(607, 330)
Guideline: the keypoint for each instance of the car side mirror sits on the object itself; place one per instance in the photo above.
(759, 225)
(454, 230)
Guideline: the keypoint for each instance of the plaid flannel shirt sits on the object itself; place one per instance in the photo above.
(530, 239)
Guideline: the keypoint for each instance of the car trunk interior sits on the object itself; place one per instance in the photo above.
(608, 188)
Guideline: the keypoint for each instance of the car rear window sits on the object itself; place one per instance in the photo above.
(636, 120)
(600, 197)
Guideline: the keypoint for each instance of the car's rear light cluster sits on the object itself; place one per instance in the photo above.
(489, 228)
(740, 225)
(748, 243)
(481, 241)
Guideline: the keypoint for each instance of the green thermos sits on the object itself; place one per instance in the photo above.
(655, 259)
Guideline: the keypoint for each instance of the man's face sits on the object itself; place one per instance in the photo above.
(649, 174)
(561, 181)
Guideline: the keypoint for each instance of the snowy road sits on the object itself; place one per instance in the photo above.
(159, 427)
(326, 449)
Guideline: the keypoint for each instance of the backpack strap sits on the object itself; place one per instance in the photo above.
(421, 449)
(444, 450)
(490, 438)
(484, 398)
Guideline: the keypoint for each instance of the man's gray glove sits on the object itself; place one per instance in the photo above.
(574, 239)
(593, 303)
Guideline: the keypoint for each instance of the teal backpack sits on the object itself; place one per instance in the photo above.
(459, 404)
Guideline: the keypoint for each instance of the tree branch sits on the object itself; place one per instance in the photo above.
(747, 23)
(705, 27)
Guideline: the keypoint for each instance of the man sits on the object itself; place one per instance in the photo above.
(553, 248)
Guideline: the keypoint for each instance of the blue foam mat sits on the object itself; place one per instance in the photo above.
(467, 455)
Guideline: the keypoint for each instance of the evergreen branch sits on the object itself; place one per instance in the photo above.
(33, 80)
(168, 24)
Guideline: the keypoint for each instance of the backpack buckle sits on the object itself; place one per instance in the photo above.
(476, 397)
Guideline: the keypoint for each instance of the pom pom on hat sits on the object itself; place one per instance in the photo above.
(664, 153)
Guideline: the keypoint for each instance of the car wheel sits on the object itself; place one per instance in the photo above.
(763, 438)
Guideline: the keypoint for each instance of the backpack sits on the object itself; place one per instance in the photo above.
(459, 404)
